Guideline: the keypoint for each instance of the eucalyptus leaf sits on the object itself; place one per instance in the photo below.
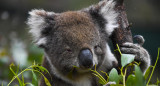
(43, 69)
(130, 80)
(47, 82)
(126, 59)
(116, 85)
(120, 78)
(22, 78)
(158, 82)
(139, 78)
(154, 66)
(113, 76)
(34, 79)
(101, 79)
(147, 72)
(101, 82)
(15, 75)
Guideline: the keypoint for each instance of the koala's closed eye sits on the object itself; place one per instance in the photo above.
(69, 50)
(98, 49)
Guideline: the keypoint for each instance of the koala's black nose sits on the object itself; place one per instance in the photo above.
(86, 58)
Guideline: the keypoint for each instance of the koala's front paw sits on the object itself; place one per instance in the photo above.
(140, 53)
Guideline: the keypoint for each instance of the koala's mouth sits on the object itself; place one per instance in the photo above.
(78, 73)
(82, 69)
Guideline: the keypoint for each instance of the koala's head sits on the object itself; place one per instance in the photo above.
(74, 38)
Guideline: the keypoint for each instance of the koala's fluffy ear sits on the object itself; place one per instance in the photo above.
(105, 15)
(39, 22)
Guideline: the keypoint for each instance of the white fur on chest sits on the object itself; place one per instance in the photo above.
(84, 82)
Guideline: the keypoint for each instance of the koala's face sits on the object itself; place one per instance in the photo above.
(75, 41)
(74, 38)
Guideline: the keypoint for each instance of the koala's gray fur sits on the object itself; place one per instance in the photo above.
(63, 36)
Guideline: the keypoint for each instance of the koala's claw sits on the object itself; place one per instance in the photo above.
(140, 40)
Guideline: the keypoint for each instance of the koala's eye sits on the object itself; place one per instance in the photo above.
(98, 49)
(68, 50)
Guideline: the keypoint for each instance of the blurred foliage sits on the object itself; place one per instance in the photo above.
(34, 54)
(36, 71)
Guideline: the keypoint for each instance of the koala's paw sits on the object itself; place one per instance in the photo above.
(109, 83)
(140, 53)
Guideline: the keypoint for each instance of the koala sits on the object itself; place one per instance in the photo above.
(76, 41)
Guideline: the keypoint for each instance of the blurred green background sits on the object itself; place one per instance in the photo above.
(16, 45)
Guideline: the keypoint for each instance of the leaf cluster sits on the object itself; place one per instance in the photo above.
(136, 78)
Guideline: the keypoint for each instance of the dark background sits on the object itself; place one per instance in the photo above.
(16, 45)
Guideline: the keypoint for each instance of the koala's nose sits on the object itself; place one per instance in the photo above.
(86, 58)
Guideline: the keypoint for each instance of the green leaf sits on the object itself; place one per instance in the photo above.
(15, 75)
(17, 69)
(23, 80)
(42, 69)
(101, 82)
(116, 85)
(152, 85)
(101, 79)
(147, 72)
(154, 66)
(130, 80)
(139, 79)
(113, 76)
(47, 82)
(28, 84)
(34, 79)
(158, 82)
(120, 78)
(126, 59)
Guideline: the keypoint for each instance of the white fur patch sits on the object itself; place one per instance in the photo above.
(36, 22)
(84, 82)
(41, 41)
(110, 57)
(95, 60)
(110, 15)
(106, 8)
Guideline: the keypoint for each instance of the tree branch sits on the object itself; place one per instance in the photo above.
(123, 33)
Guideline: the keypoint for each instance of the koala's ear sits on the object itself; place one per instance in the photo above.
(105, 15)
(40, 22)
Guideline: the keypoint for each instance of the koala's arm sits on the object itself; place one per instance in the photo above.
(141, 54)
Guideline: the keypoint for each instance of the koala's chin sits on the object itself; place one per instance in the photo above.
(77, 74)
